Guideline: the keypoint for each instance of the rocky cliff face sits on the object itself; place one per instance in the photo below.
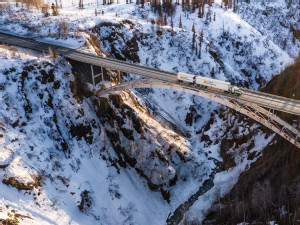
(269, 189)
(63, 151)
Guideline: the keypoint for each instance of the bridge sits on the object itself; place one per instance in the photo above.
(257, 105)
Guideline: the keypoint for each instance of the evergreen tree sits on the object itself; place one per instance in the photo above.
(160, 21)
(234, 6)
(194, 36)
(194, 6)
(180, 24)
(155, 6)
(172, 25)
(212, 73)
(80, 4)
(188, 3)
(200, 44)
(193, 41)
(201, 8)
(165, 20)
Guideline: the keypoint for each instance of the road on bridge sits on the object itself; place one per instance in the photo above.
(260, 98)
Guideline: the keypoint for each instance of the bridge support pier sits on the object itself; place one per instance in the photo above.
(95, 76)
(119, 73)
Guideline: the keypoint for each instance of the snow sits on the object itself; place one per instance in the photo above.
(224, 181)
(35, 148)
(121, 196)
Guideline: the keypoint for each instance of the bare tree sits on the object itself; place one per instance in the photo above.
(80, 4)
(45, 10)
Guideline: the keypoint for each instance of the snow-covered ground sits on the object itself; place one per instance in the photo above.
(37, 116)
(36, 140)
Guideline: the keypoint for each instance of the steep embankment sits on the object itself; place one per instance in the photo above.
(269, 190)
(278, 20)
(212, 131)
(68, 159)
(287, 83)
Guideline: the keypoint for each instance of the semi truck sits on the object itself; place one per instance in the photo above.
(209, 82)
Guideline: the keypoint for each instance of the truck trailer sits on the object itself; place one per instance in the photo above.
(186, 77)
(225, 86)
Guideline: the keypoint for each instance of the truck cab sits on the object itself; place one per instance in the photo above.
(235, 90)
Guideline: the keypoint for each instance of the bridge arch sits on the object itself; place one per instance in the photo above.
(251, 110)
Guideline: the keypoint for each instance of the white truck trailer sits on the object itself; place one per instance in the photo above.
(186, 77)
(225, 86)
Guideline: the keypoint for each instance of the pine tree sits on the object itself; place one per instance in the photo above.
(194, 36)
(234, 6)
(172, 25)
(180, 24)
(165, 20)
(212, 73)
(160, 20)
(188, 3)
(155, 6)
(194, 6)
(201, 8)
(193, 42)
(80, 4)
(200, 45)
(203, 5)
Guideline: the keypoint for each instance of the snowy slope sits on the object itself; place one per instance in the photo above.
(87, 170)
(63, 177)
(278, 21)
